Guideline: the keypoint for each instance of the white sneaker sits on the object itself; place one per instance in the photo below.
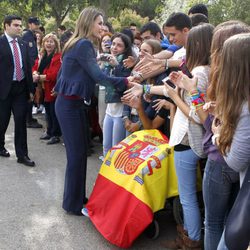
(101, 158)
(34, 110)
(40, 109)
(85, 212)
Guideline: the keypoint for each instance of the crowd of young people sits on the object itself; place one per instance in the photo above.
(205, 113)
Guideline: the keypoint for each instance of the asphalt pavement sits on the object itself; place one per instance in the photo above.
(31, 216)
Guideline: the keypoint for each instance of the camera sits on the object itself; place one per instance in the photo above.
(104, 58)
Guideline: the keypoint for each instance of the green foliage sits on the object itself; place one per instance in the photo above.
(146, 8)
(50, 25)
(224, 10)
(219, 10)
(126, 17)
(167, 7)
(52, 13)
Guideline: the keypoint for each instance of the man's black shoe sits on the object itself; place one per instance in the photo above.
(26, 161)
(34, 125)
(4, 153)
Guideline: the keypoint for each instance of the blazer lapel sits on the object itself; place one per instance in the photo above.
(8, 49)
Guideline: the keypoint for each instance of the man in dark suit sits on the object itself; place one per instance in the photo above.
(30, 38)
(15, 87)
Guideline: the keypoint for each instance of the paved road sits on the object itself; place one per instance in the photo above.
(31, 216)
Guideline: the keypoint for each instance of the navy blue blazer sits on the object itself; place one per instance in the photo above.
(7, 67)
(80, 72)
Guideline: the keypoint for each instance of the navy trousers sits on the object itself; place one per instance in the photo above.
(72, 119)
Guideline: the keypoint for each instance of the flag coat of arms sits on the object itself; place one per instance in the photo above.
(135, 179)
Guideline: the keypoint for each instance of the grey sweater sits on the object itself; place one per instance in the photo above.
(238, 158)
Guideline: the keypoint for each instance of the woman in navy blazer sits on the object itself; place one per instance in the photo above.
(75, 85)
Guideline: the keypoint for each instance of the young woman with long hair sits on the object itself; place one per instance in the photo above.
(220, 182)
(131, 118)
(75, 86)
(113, 128)
(187, 133)
(232, 123)
(186, 137)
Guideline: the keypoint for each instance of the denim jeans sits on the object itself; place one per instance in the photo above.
(222, 243)
(186, 170)
(101, 107)
(113, 132)
(220, 185)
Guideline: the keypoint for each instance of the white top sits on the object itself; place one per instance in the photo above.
(179, 54)
(115, 109)
(182, 125)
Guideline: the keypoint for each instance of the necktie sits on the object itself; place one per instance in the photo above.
(17, 61)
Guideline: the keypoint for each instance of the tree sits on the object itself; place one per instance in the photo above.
(218, 10)
(60, 9)
(125, 17)
(168, 7)
(223, 10)
(147, 8)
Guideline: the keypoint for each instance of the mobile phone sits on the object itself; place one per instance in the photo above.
(168, 81)
(185, 70)
(104, 58)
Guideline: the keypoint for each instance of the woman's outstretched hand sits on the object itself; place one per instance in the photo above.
(170, 92)
(129, 62)
(145, 60)
(135, 89)
(134, 102)
(182, 81)
(162, 103)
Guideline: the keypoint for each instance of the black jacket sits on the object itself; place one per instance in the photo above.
(7, 67)
(30, 38)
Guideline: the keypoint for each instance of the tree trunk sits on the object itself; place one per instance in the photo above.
(104, 5)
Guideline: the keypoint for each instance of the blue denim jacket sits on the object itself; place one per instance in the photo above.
(111, 94)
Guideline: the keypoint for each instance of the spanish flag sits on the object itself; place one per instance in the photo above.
(135, 179)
